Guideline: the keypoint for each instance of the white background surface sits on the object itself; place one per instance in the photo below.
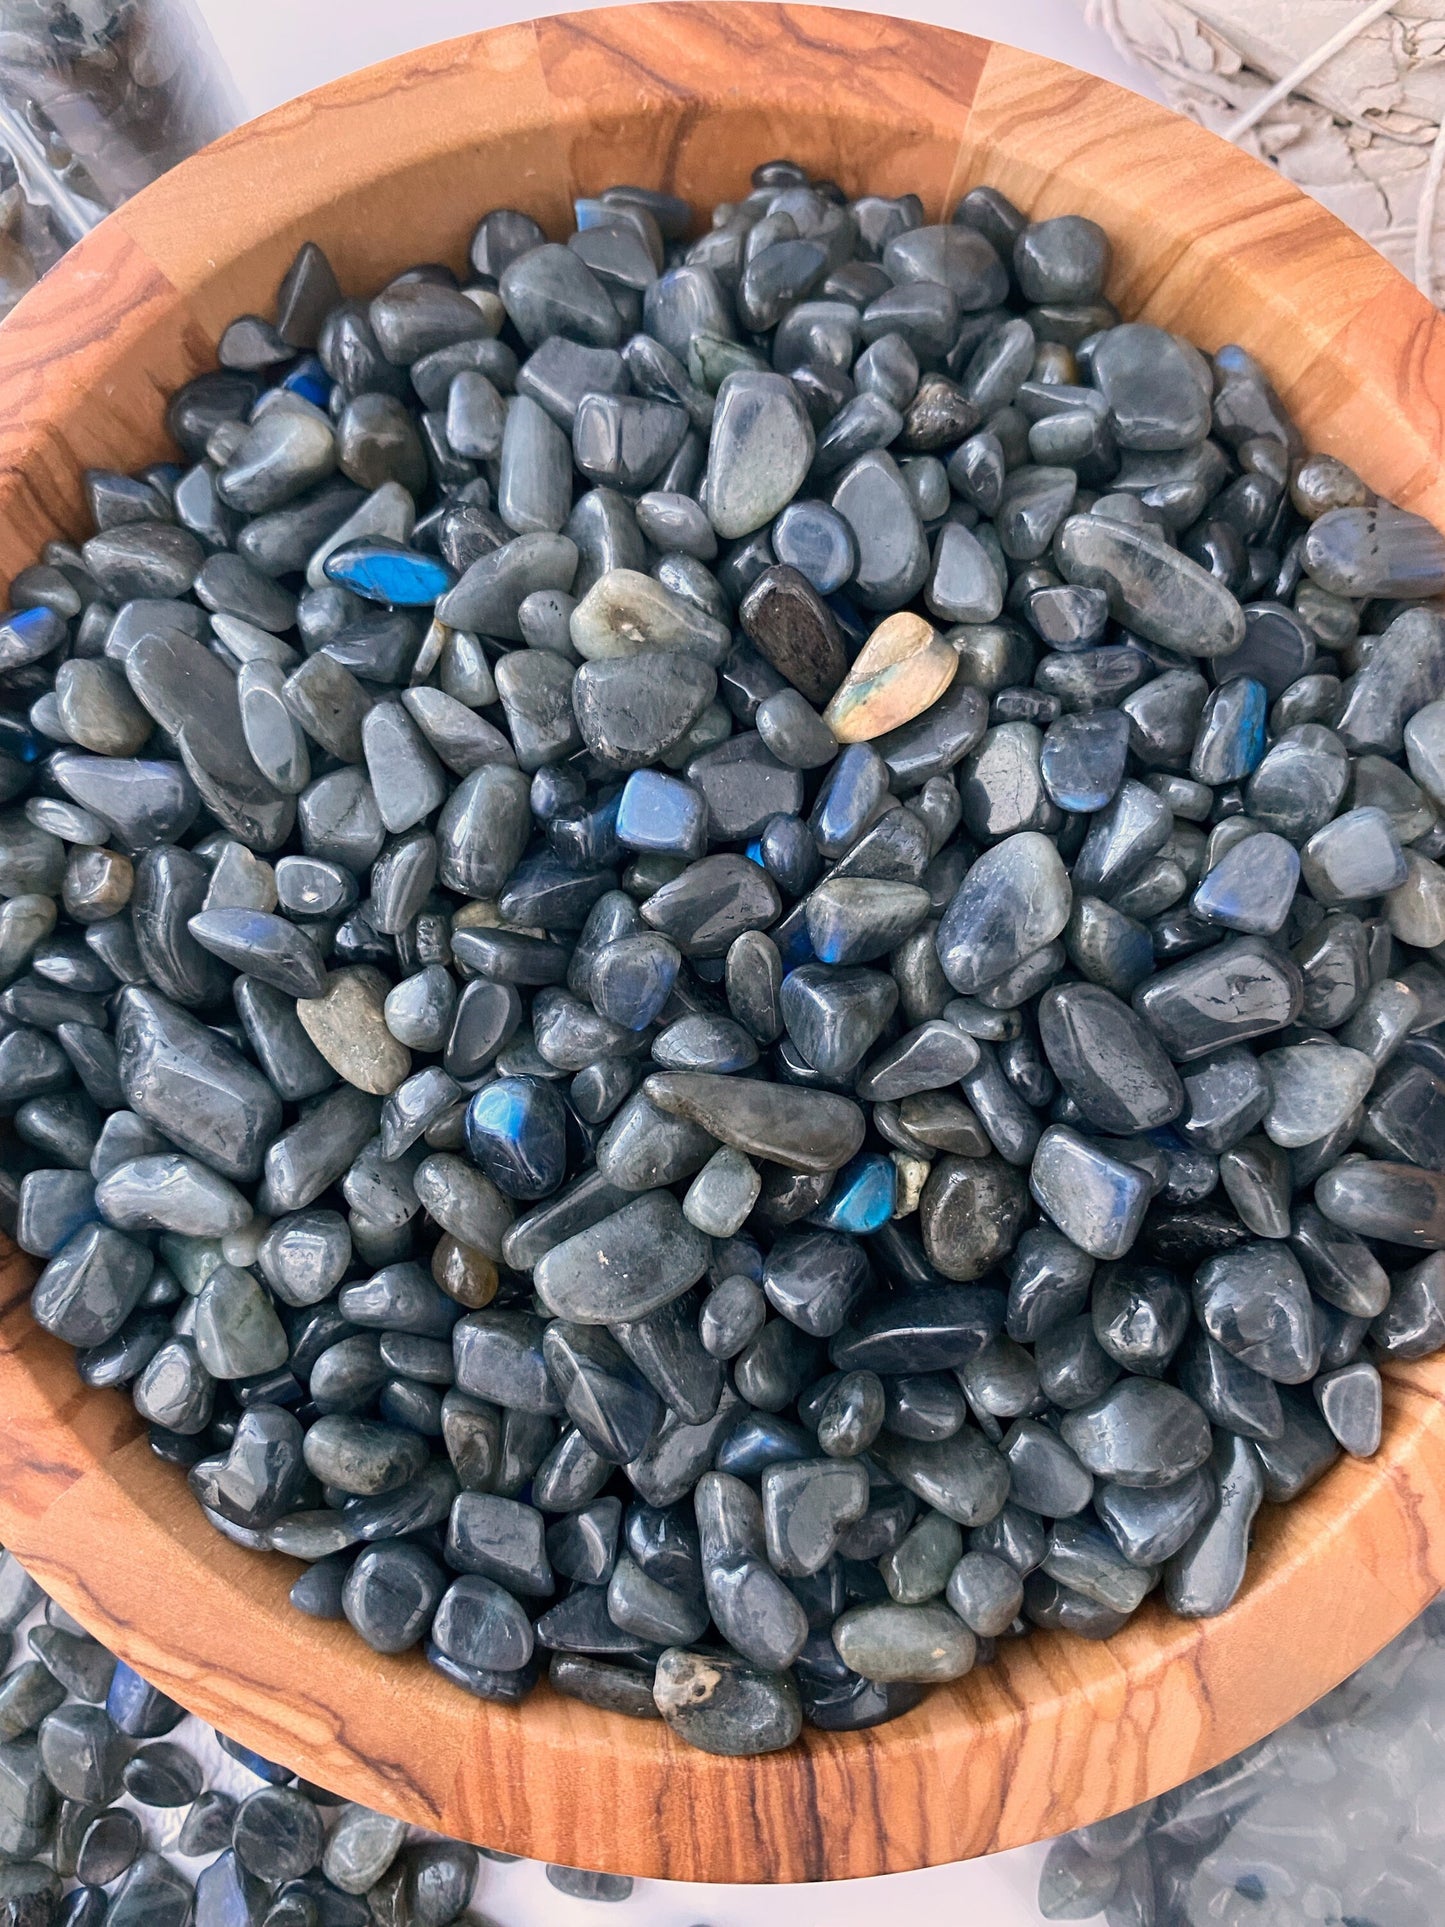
(275, 49)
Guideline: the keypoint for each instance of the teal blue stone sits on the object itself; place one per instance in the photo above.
(516, 1130)
(660, 813)
(863, 1197)
(384, 571)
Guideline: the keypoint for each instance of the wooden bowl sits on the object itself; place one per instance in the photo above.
(394, 165)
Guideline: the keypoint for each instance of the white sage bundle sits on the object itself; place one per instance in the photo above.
(1345, 97)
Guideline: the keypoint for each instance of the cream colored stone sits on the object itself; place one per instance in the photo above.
(912, 1176)
(347, 1025)
(902, 669)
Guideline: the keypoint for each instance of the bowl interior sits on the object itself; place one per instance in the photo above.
(394, 165)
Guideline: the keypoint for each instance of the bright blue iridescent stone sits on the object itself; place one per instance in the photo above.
(791, 936)
(658, 812)
(517, 1132)
(863, 1198)
(1231, 738)
(311, 381)
(387, 572)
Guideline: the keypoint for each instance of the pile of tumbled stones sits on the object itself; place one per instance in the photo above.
(722, 954)
(1334, 1822)
(106, 1815)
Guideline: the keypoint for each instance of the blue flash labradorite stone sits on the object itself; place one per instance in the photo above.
(814, 539)
(1231, 735)
(309, 380)
(516, 1131)
(1082, 760)
(862, 1200)
(384, 571)
(1252, 887)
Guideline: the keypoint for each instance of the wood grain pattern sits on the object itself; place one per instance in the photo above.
(393, 165)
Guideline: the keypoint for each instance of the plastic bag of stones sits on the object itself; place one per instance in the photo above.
(1331, 1820)
(513, 906)
(102, 1791)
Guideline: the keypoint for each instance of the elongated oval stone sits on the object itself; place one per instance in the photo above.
(179, 1075)
(1152, 588)
(1230, 994)
(713, 902)
(789, 623)
(805, 1130)
(936, 1328)
(892, 1642)
(482, 831)
(874, 500)
(1396, 1202)
(625, 613)
(170, 1192)
(726, 1706)
(1140, 1433)
(962, 1477)
(1377, 551)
